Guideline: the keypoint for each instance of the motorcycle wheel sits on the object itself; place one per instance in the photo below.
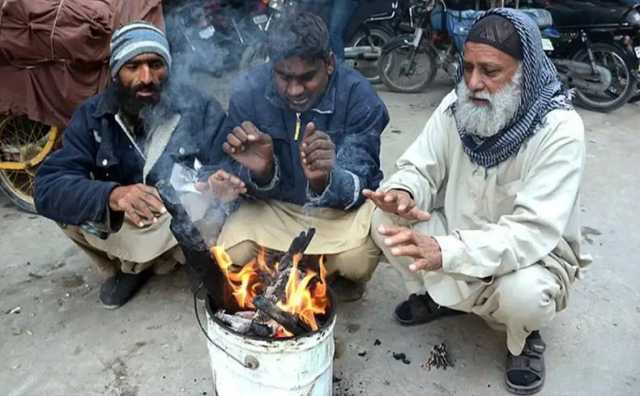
(404, 68)
(622, 81)
(378, 37)
(27, 142)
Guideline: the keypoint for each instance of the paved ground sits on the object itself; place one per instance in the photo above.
(61, 342)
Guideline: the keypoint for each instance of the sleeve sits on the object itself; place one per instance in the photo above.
(358, 156)
(541, 211)
(65, 190)
(422, 168)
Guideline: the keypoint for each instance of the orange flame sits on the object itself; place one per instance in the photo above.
(305, 296)
(304, 299)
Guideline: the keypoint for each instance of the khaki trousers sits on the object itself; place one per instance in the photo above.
(342, 237)
(131, 249)
(517, 303)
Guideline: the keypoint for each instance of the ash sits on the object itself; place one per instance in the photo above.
(438, 358)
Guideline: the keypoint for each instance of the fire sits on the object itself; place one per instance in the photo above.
(304, 300)
(306, 290)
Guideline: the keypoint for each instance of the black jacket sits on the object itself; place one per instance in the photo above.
(74, 183)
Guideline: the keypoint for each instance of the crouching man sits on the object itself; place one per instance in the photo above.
(303, 136)
(482, 214)
(118, 145)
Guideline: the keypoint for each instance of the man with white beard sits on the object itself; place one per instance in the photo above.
(482, 214)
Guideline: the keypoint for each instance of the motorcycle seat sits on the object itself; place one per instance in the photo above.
(592, 13)
(542, 17)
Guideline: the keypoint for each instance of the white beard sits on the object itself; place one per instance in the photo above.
(486, 121)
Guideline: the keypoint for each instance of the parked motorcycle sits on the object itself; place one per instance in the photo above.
(595, 47)
(371, 27)
(409, 62)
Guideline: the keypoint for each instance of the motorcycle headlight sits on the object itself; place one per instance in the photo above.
(633, 18)
(276, 4)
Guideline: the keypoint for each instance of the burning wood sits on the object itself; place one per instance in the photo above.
(285, 296)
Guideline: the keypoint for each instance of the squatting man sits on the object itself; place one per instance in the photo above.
(482, 214)
(118, 145)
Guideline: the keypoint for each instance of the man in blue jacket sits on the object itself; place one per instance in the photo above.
(304, 137)
(118, 145)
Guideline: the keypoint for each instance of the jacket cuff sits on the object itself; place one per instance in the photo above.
(274, 179)
(343, 187)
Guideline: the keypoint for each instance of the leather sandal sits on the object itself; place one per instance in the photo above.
(525, 373)
(421, 309)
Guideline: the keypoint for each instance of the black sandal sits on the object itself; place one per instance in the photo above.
(420, 309)
(524, 374)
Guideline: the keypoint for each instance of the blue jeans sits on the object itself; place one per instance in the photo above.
(341, 13)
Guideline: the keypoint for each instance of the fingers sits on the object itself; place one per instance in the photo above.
(419, 214)
(315, 156)
(399, 236)
(152, 199)
(251, 131)
(408, 250)
(317, 144)
(419, 265)
(236, 141)
(309, 130)
(368, 193)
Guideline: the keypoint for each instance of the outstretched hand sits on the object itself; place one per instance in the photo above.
(224, 186)
(251, 148)
(318, 154)
(397, 202)
(404, 241)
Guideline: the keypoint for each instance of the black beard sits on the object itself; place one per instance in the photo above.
(133, 105)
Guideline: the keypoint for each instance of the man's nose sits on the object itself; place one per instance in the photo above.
(294, 88)
(474, 82)
(145, 74)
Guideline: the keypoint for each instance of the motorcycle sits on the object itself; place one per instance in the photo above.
(371, 27)
(409, 62)
(595, 46)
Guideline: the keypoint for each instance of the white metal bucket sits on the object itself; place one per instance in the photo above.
(301, 366)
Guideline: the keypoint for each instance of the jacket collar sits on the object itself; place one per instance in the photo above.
(327, 102)
(107, 103)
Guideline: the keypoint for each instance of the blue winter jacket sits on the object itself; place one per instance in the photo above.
(74, 183)
(350, 112)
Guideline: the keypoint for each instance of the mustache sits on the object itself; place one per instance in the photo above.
(483, 95)
(153, 87)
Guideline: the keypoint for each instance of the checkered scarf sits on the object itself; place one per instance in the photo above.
(542, 92)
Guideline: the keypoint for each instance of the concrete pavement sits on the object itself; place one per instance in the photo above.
(62, 342)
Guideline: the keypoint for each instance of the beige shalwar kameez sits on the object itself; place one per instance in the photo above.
(510, 235)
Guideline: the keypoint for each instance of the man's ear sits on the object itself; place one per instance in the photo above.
(331, 63)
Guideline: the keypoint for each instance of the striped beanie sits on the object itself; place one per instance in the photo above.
(137, 38)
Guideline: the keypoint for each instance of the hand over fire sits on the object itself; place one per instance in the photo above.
(318, 154)
(140, 203)
(404, 241)
(224, 186)
(253, 149)
(398, 202)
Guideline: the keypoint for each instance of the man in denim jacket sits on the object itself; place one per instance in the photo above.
(100, 185)
(303, 134)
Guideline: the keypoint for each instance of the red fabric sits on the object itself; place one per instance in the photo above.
(54, 53)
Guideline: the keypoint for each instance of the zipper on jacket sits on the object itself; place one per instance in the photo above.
(298, 125)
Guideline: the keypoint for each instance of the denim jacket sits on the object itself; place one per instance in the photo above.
(74, 183)
(350, 112)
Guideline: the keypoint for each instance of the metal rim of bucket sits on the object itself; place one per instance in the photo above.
(327, 322)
